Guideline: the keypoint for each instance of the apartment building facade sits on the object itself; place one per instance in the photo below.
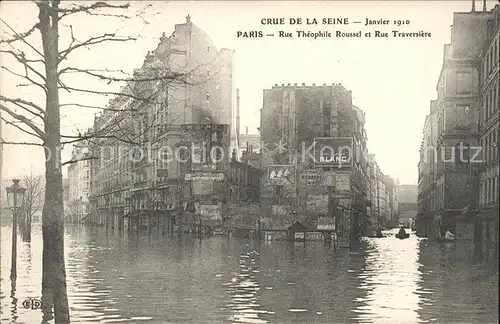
(458, 167)
(186, 81)
(458, 105)
(490, 138)
(321, 192)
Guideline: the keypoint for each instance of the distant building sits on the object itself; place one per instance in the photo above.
(392, 201)
(249, 142)
(382, 200)
(373, 171)
(65, 183)
(78, 190)
(407, 204)
(408, 193)
(427, 203)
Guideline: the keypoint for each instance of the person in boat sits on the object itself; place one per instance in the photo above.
(402, 232)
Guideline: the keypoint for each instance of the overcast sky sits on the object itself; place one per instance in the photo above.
(391, 79)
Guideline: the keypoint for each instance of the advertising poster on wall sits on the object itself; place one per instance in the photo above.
(281, 175)
(336, 152)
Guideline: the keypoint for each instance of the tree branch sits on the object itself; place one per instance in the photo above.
(39, 115)
(20, 36)
(80, 138)
(89, 8)
(21, 143)
(32, 194)
(23, 102)
(25, 77)
(21, 58)
(122, 94)
(23, 39)
(90, 107)
(161, 77)
(8, 122)
(25, 120)
(79, 160)
(92, 41)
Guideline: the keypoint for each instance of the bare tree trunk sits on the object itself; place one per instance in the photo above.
(29, 217)
(54, 271)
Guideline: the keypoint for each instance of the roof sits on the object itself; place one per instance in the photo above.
(297, 227)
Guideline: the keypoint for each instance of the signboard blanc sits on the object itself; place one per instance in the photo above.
(333, 151)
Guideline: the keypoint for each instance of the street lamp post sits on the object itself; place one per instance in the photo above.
(15, 199)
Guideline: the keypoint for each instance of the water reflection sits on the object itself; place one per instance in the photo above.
(245, 290)
(456, 291)
(13, 309)
(391, 278)
(135, 278)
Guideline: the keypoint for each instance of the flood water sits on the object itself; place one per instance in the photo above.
(140, 279)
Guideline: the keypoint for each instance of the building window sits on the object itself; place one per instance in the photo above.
(496, 99)
(494, 189)
(464, 83)
(481, 194)
(497, 189)
(208, 49)
(462, 115)
(208, 73)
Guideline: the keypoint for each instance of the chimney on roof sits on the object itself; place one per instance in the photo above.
(473, 6)
(163, 37)
(188, 19)
(149, 57)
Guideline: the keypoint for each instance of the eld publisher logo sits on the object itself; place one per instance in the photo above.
(32, 303)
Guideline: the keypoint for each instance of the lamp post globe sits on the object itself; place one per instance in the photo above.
(15, 195)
